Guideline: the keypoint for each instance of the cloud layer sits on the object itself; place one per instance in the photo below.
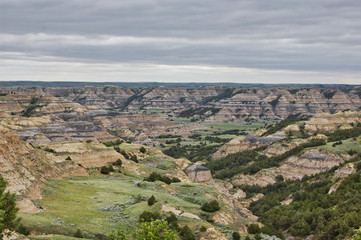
(173, 40)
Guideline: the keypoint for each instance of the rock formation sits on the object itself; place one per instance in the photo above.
(200, 174)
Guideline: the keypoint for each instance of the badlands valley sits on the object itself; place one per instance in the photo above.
(215, 162)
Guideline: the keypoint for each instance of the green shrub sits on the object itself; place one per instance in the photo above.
(68, 158)
(49, 150)
(134, 158)
(151, 201)
(8, 209)
(124, 154)
(173, 221)
(175, 180)
(23, 230)
(279, 178)
(142, 149)
(118, 163)
(247, 238)
(158, 177)
(253, 229)
(104, 170)
(115, 143)
(236, 236)
(149, 216)
(203, 229)
(137, 198)
(211, 206)
(186, 233)
(155, 230)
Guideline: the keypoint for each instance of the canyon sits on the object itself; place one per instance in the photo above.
(61, 132)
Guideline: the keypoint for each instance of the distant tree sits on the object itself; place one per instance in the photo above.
(118, 163)
(151, 201)
(279, 178)
(104, 170)
(253, 229)
(142, 149)
(203, 229)
(148, 216)
(186, 233)
(173, 221)
(211, 206)
(236, 236)
(134, 158)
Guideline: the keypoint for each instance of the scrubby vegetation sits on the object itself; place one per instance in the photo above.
(234, 163)
(313, 210)
(194, 153)
(47, 149)
(142, 149)
(29, 110)
(158, 177)
(171, 221)
(237, 163)
(118, 163)
(186, 233)
(339, 135)
(198, 111)
(113, 143)
(107, 169)
(158, 229)
(236, 236)
(211, 206)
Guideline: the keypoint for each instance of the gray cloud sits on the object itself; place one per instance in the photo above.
(321, 36)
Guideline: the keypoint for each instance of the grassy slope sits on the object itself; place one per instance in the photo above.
(347, 145)
(76, 201)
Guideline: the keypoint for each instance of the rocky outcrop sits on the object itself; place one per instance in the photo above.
(248, 142)
(344, 171)
(200, 174)
(330, 122)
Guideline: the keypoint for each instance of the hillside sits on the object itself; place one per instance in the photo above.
(104, 151)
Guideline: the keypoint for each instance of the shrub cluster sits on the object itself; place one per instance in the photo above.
(107, 169)
(344, 134)
(158, 177)
(211, 206)
(113, 143)
(313, 210)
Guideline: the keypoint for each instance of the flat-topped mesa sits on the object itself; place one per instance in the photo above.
(200, 174)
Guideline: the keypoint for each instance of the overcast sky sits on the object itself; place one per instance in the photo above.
(246, 41)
